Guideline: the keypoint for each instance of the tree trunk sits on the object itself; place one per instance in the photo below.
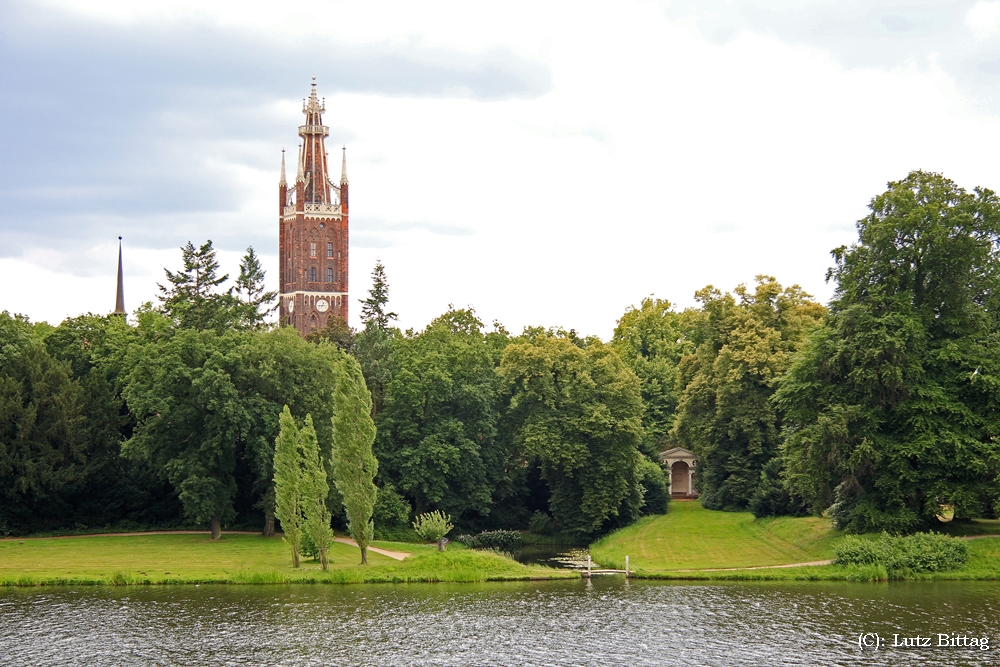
(295, 558)
(364, 555)
(268, 525)
(324, 561)
(216, 528)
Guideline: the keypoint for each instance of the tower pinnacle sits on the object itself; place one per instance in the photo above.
(313, 243)
(282, 181)
(120, 296)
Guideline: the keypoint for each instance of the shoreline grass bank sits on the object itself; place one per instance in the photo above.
(690, 543)
(240, 559)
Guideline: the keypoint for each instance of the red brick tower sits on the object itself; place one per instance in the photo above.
(312, 239)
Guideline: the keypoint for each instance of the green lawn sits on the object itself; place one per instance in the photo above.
(690, 542)
(159, 559)
(690, 537)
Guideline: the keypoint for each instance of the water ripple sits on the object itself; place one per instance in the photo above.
(604, 622)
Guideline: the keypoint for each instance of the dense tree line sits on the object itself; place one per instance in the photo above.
(880, 410)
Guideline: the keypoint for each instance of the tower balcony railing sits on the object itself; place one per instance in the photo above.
(322, 208)
(318, 208)
(314, 129)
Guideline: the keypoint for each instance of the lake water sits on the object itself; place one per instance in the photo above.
(607, 621)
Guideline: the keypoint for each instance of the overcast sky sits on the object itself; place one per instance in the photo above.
(547, 163)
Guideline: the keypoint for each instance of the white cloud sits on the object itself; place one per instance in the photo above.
(659, 161)
(984, 19)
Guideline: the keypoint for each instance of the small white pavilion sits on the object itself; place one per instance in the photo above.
(681, 463)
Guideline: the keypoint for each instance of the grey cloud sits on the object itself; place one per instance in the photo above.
(864, 33)
(107, 128)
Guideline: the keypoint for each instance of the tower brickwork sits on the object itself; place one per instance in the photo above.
(313, 230)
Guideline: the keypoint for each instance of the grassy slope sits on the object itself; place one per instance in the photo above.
(689, 537)
(693, 539)
(161, 559)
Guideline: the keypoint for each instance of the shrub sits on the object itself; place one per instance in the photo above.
(771, 497)
(541, 523)
(396, 534)
(468, 540)
(921, 552)
(433, 526)
(307, 548)
(391, 509)
(656, 494)
(499, 540)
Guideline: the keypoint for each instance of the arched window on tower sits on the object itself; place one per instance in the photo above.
(329, 274)
(312, 274)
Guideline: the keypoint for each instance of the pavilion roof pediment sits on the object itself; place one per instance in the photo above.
(678, 454)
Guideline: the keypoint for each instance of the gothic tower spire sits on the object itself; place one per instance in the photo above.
(313, 228)
(120, 296)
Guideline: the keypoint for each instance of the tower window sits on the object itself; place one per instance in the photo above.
(312, 274)
(329, 274)
(312, 249)
(329, 250)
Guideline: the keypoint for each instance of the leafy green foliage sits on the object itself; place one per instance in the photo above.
(193, 298)
(336, 331)
(541, 523)
(255, 302)
(726, 416)
(892, 406)
(42, 445)
(437, 432)
(506, 541)
(315, 489)
(433, 526)
(771, 497)
(656, 491)
(289, 482)
(373, 307)
(920, 552)
(355, 466)
(391, 509)
(652, 339)
(577, 412)
(190, 416)
(279, 368)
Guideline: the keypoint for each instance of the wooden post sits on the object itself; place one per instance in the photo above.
(626, 568)
(588, 566)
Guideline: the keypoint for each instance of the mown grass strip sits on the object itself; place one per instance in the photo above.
(238, 559)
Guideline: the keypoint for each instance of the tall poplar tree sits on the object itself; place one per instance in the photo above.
(288, 481)
(354, 463)
(315, 489)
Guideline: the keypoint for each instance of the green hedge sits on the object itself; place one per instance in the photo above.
(921, 552)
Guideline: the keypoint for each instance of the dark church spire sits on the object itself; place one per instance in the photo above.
(120, 296)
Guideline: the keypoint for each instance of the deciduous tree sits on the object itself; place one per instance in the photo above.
(315, 489)
(289, 482)
(893, 406)
(578, 412)
(355, 466)
(438, 430)
(725, 415)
